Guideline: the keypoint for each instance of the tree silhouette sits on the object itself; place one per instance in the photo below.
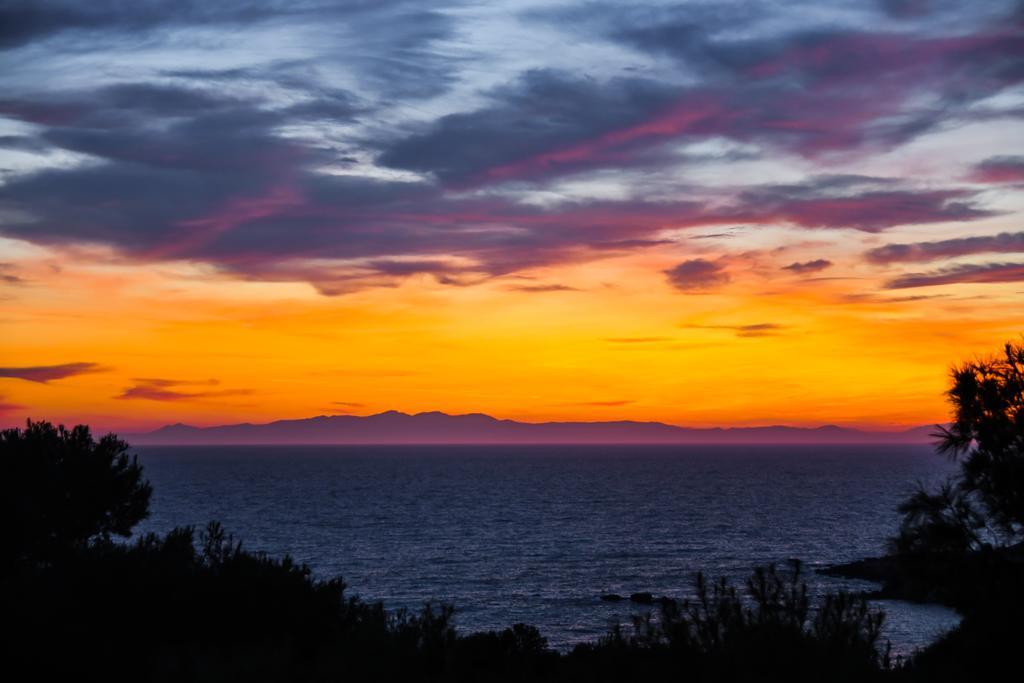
(984, 502)
(62, 489)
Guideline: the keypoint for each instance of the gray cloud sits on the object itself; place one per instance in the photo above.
(388, 45)
(1004, 243)
(983, 273)
(250, 166)
(544, 111)
(25, 21)
(797, 89)
(225, 188)
(1001, 169)
(857, 202)
(30, 20)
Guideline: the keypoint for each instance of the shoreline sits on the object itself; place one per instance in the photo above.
(948, 580)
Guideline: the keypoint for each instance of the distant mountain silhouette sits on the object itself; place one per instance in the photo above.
(393, 427)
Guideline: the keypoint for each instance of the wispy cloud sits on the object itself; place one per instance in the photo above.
(7, 407)
(541, 288)
(814, 266)
(267, 170)
(1004, 243)
(8, 277)
(49, 373)
(159, 389)
(697, 275)
(637, 340)
(983, 273)
(752, 330)
(347, 406)
(997, 170)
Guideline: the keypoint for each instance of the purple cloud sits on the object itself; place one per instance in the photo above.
(278, 221)
(159, 389)
(814, 266)
(6, 407)
(269, 171)
(540, 289)
(984, 273)
(49, 373)
(9, 278)
(1003, 243)
(801, 93)
(697, 275)
(997, 170)
(844, 203)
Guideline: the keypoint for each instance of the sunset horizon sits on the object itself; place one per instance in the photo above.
(804, 221)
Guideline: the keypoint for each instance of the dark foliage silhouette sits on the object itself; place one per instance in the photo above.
(79, 603)
(960, 545)
(61, 489)
(942, 522)
(769, 631)
(984, 503)
(168, 608)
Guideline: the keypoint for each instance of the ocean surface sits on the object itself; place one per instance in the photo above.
(537, 534)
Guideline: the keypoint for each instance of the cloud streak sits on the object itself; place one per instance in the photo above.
(1003, 243)
(815, 266)
(169, 390)
(800, 93)
(987, 273)
(751, 330)
(697, 276)
(540, 289)
(423, 164)
(637, 340)
(42, 374)
(997, 170)
(6, 407)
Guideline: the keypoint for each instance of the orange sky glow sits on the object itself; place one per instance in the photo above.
(616, 343)
(747, 218)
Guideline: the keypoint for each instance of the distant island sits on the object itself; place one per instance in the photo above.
(394, 427)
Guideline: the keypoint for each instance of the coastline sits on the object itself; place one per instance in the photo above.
(948, 580)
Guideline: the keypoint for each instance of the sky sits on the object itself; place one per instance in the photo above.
(701, 213)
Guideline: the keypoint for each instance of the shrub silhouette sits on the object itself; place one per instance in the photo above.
(169, 608)
(200, 607)
(961, 544)
(942, 522)
(62, 489)
(770, 631)
(984, 502)
(79, 603)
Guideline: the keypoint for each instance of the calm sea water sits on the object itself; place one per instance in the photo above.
(536, 534)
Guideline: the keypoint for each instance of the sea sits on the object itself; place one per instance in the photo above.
(537, 534)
